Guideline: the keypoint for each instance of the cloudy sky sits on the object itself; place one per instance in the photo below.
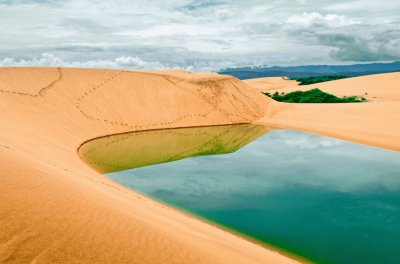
(202, 35)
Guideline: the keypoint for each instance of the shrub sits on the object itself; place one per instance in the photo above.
(318, 79)
(313, 96)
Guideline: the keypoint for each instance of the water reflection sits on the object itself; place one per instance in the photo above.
(138, 149)
(329, 200)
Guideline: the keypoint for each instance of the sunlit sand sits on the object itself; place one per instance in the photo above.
(55, 208)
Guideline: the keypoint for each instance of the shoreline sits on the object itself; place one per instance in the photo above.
(50, 194)
(372, 123)
(193, 215)
(264, 245)
(234, 232)
(154, 129)
(58, 194)
(330, 134)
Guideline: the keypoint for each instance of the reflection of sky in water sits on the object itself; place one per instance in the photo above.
(282, 159)
(326, 199)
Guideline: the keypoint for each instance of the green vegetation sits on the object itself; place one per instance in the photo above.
(312, 96)
(318, 79)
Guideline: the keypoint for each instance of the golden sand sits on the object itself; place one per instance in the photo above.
(55, 208)
(376, 122)
(269, 84)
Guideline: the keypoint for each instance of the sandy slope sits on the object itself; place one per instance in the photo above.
(54, 208)
(271, 83)
(378, 88)
(376, 122)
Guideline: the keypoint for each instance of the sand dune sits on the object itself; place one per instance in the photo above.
(271, 83)
(377, 88)
(54, 208)
(376, 122)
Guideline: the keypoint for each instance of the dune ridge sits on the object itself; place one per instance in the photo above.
(376, 122)
(55, 209)
(382, 87)
(268, 84)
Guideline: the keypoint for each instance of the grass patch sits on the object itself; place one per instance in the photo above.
(313, 96)
(318, 79)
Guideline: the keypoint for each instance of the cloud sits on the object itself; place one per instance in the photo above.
(147, 58)
(278, 162)
(331, 20)
(357, 6)
(28, 2)
(352, 48)
(46, 59)
(196, 5)
(301, 140)
(200, 35)
(167, 57)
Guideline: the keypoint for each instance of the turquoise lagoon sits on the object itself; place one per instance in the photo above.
(327, 200)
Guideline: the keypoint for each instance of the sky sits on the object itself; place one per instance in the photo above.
(292, 157)
(203, 35)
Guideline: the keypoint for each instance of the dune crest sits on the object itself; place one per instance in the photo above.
(376, 122)
(268, 84)
(376, 88)
(54, 208)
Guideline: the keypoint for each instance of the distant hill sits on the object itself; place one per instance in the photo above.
(313, 70)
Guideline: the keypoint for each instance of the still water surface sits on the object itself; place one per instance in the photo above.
(325, 199)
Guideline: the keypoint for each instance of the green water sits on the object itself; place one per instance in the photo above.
(328, 200)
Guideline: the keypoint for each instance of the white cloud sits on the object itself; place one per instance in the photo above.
(331, 20)
(371, 6)
(48, 60)
(301, 140)
(202, 35)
